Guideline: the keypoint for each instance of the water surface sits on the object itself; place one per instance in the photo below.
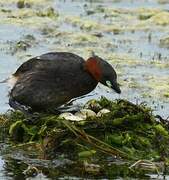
(118, 31)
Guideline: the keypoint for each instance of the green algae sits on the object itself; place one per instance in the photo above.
(161, 18)
(23, 44)
(160, 86)
(146, 13)
(82, 34)
(164, 42)
(113, 23)
(83, 24)
(166, 94)
(21, 4)
(162, 1)
(29, 13)
(49, 12)
(129, 131)
(117, 21)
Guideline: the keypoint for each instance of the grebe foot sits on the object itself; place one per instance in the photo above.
(80, 97)
(69, 108)
(17, 106)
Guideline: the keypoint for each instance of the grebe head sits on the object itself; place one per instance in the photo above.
(103, 72)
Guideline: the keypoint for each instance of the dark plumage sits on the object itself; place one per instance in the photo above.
(50, 80)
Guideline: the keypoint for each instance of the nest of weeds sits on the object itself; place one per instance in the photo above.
(128, 131)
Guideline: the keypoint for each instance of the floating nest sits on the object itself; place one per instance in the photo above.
(104, 131)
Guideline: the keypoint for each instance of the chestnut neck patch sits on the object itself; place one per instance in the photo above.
(92, 65)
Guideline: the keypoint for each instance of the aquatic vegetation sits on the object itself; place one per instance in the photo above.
(23, 4)
(160, 86)
(164, 42)
(83, 23)
(123, 131)
(112, 32)
(49, 12)
(133, 40)
(166, 94)
(163, 1)
(161, 18)
(24, 44)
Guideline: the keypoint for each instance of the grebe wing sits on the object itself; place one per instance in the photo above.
(48, 60)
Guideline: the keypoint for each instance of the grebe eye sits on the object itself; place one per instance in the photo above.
(109, 84)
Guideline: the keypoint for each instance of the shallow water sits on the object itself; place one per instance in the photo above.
(111, 29)
(135, 44)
